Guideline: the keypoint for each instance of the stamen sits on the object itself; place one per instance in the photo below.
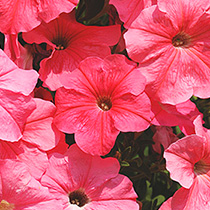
(181, 40)
(104, 103)
(60, 47)
(78, 197)
(4, 205)
(61, 43)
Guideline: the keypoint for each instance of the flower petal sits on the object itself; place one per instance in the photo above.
(181, 157)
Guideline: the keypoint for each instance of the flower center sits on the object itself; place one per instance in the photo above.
(201, 167)
(4, 205)
(181, 40)
(78, 197)
(61, 43)
(60, 47)
(104, 103)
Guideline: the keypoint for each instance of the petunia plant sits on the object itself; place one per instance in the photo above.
(104, 104)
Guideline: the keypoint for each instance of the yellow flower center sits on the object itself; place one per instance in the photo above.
(4, 205)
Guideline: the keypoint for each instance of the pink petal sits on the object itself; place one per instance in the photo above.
(199, 129)
(122, 75)
(21, 16)
(197, 197)
(129, 10)
(61, 147)
(98, 177)
(182, 114)
(114, 77)
(131, 113)
(64, 175)
(19, 188)
(190, 14)
(83, 79)
(18, 16)
(165, 136)
(8, 125)
(15, 79)
(15, 108)
(113, 205)
(11, 46)
(39, 129)
(87, 174)
(69, 104)
(173, 84)
(117, 188)
(181, 157)
(36, 160)
(58, 176)
(64, 61)
(117, 75)
(96, 140)
(49, 10)
(148, 35)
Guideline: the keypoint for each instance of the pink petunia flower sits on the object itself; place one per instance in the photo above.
(171, 43)
(20, 191)
(21, 16)
(100, 99)
(15, 103)
(82, 181)
(188, 161)
(71, 42)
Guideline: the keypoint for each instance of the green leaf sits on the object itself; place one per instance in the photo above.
(124, 163)
(156, 201)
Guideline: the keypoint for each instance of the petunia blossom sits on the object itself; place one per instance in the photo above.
(15, 103)
(82, 181)
(100, 99)
(21, 16)
(171, 43)
(20, 191)
(188, 161)
(71, 42)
